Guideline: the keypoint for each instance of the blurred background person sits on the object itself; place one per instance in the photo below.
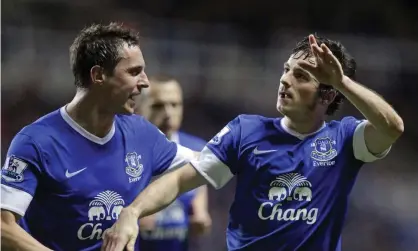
(171, 228)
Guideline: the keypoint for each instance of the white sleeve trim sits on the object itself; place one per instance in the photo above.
(15, 200)
(361, 152)
(212, 169)
(183, 156)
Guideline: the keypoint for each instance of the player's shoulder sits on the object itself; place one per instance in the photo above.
(134, 123)
(250, 123)
(48, 124)
(343, 122)
(131, 120)
(251, 120)
(190, 141)
(248, 127)
(137, 126)
(345, 127)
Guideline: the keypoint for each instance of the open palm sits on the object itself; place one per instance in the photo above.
(327, 69)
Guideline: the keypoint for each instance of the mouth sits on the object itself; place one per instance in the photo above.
(285, 94)
(133, 95)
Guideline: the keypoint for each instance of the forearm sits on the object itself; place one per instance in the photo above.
(165, 190)
(13, 237)
(374, 108)
(156, 196)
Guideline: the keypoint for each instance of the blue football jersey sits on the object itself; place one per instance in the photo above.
(70, 185)
(172, 223)
(292, 189)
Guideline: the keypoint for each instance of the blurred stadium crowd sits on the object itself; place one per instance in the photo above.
(228, 56)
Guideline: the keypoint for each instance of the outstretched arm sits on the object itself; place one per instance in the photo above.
(155, 197)
(212, 167)
(165, 190)
(199, 221)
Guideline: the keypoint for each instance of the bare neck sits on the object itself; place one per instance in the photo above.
(87, 111)
(304, 126)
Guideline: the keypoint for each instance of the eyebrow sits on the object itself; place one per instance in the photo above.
(297, 67)
(137, 67)
(308, 73)
(303, 70)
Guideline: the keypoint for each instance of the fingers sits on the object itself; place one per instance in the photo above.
(330, 57)
(325, 49)
(131, 245)
(312, 40)
(307, 66)
(326, 55)
(322, 53)
(316, 50)
(105, 240)
(118, 245)
(327, 68)
(112, 242)
(313, 69)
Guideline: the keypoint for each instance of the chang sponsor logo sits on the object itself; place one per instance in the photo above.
(288, 187)
(106, 206)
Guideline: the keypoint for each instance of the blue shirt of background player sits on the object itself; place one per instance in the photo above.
(70, 185)
(171, 230)
(292, 189)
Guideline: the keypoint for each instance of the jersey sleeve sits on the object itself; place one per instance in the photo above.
(217, 162)
(354, 130)
(168, 155)
(20, 174)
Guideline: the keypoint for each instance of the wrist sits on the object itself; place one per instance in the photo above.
(132, 211)
(345, 81)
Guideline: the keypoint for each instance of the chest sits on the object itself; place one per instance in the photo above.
(85, 172)
(275, 163)
(317, 151)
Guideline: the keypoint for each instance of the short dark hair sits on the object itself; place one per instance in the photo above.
(99, 44)
(347, 62)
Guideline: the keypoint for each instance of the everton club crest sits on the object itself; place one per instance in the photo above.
(323, 149)
(135, 167)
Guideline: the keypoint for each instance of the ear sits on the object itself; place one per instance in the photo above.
(327, 97)
(97, 75)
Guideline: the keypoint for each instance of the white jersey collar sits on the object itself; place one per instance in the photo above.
(295, 133)
(83, 132)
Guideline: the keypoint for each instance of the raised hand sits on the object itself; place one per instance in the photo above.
(326, 69)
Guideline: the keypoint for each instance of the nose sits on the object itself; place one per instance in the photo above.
(168, 110)
(284, 80)
(143, 80)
